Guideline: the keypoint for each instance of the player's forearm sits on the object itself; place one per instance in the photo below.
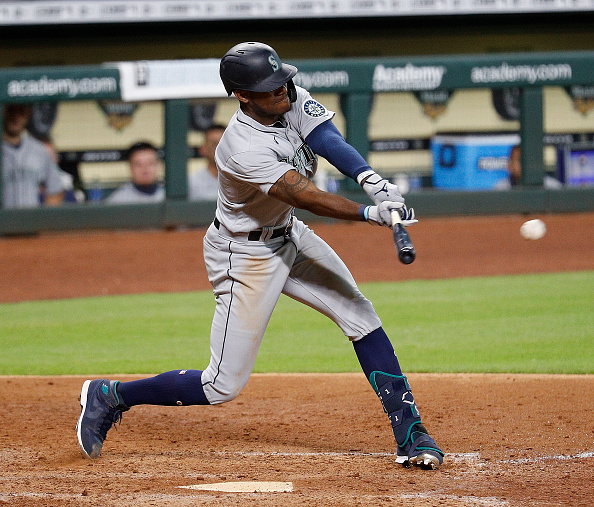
(300, 192)
(332, 206)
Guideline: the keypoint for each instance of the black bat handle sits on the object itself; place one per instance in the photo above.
(404, 245)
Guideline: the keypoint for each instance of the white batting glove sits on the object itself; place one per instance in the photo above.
(378, 188)
(407, 216)
(381, 214)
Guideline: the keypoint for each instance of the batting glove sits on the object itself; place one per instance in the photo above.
(378, 188)
(380, 214)
(407, 216)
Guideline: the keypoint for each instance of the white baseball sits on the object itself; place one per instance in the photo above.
(533, 229)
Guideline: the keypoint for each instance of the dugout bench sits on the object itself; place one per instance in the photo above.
(354, 81)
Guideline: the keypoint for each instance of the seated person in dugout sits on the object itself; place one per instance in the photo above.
(30, 176)
(514, 167)
(203, 184)
(144, 185)
(71, 194)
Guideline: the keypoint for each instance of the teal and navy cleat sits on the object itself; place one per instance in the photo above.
(100, 409)
(415, 446)
(420, 450)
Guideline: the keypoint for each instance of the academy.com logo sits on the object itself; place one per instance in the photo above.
(322, 79)
(506, 73)
(46, 87)
(409, 77)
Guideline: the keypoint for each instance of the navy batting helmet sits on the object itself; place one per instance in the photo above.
(256, 67)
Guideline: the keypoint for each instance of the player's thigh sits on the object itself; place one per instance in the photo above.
(247, 278)
(320, 279)
(247, 282)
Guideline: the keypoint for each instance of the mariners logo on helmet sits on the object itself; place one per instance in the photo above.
(273, 63)
(313, 108)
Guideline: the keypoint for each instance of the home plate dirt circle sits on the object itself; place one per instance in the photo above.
(244, 487)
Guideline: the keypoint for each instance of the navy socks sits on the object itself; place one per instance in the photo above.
(177, 387)
(375, 353)
(184, 387)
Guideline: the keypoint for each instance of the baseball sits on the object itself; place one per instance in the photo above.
(533, 229)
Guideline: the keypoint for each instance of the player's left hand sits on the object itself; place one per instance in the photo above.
(379, 189)
(382, 213)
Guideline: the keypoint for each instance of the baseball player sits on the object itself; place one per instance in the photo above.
(27, 167)
(257, 249)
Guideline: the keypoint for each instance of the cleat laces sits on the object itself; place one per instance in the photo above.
(113, 417)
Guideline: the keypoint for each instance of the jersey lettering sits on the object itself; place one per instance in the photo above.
(304, 161)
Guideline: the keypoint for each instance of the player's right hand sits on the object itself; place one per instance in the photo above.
(382, 213)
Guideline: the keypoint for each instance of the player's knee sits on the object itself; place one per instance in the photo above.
(218, 394)
(226, 397)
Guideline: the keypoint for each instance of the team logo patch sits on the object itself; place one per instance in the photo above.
(313, 108)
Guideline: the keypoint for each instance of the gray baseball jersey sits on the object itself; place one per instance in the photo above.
(252, 157)
(24, 169)
(203, 186)
(251, 258)
(129, 194)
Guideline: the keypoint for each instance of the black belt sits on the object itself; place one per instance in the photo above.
(256, 235)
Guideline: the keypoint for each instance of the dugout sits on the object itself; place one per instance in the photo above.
(389, 109)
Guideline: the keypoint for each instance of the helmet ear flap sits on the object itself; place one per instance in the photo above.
(291, 91)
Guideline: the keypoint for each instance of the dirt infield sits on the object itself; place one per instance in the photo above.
(513, 440)
(123, 262)
(510, 439)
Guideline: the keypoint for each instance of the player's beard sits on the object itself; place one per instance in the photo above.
(286, 102)
(267, 107)
(282, 105)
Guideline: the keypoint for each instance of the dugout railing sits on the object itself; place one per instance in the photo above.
(354, 81)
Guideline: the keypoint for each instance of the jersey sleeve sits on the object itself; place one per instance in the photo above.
(326, 140)
(308, 113)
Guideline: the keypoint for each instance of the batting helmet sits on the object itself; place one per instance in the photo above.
(256, 67)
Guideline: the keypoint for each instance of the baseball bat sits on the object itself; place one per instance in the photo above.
(404, 245)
